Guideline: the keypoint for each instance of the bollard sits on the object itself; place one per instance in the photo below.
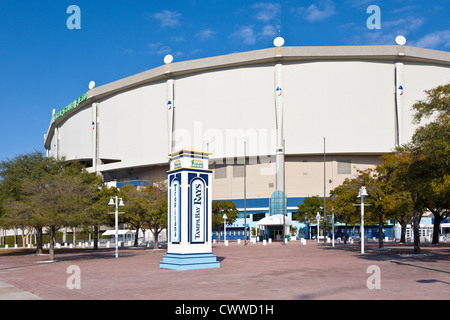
(264, 242)
(239, 241)
(226, 243)
(270, 240)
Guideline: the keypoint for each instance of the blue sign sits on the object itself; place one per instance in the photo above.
(198, 211)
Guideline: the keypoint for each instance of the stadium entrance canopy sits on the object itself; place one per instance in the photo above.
(273, 226)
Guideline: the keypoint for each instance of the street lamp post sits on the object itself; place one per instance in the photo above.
(224, 228)
(318, 220)
(362, 194)
(332, 219)
(310, 231)
(114, 201)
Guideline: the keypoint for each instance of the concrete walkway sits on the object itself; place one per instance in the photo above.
(9, 292)
(256, 272)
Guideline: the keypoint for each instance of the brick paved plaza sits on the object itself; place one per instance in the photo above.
(272, 272)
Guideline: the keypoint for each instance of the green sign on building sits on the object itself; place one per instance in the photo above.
(69, 107)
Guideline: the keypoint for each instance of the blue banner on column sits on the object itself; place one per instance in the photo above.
(197, 211)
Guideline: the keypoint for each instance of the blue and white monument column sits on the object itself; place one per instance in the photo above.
(189, 212)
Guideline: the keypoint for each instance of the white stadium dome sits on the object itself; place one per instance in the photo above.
(284, 104)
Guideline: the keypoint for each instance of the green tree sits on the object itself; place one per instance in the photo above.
(384, 200)
(156, 203)
(392, 171)
(85, 219)
(306, 212)
(343, 200)
(438, 202)
(219, 208)
(135, 208)
(437, 102)
(99, 211)
(429, 165)
(145, 208)
(388, 200)
(16, 172)
(15, 175)
(413, 175)
(53, 198)
(40, 192)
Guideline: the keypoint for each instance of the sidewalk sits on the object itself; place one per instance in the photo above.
(9, 292)
(256, 272)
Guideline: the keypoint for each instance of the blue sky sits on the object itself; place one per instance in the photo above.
(44, 65)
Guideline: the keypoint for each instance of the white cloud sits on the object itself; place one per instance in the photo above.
(177, 39)
(164, 50)
(358, 3)
(167, 18)
(205, 34)
(159, 48)
(318, 13)
(155, 45)
(434, 39)
(266, 11)
(404, 24)
(246, 35)
(268, 31)
(128, 51)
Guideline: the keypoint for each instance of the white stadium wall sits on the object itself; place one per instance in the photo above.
(75, 136)
(349, 102)
(215, 110)
(132, 126)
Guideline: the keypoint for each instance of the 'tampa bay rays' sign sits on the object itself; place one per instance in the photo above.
(198, 211)
(69, 107)
(189, 224)
(175, 209)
